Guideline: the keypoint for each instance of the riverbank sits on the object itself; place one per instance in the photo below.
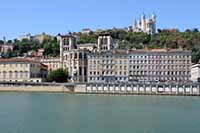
(105, 89)
(36, 87)
(33, 89)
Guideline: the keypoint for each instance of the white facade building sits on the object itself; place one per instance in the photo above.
(145, 25)
(195, 73)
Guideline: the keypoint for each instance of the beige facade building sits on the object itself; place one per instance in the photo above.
(41, 37)
(89, 46)
(73, 59)
(4, 48)
(104, 43)
(52, 63)
(22, 70)
(105, 64)
(108, 66)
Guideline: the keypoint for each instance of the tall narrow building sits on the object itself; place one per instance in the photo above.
(104, 42)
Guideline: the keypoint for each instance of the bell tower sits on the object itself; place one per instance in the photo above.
(104, 42)
(67, 43)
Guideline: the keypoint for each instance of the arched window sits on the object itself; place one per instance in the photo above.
(16, 74)
(10, 74)
(21, 74)
(4, 74)
(26, 74)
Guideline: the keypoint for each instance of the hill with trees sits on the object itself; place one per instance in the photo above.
(169, 38)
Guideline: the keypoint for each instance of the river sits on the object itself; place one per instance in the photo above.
(69, 113)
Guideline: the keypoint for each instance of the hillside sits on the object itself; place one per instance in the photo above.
(188, 40)
(172, 39)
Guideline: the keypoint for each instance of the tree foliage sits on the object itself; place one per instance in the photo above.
(51, 47)
(174, 39)
(59, 76)
(84, 38)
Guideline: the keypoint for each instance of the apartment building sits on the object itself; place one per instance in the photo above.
(195, 73)
(52, 63)
(109, 66)
(22, 70)
(159, 65)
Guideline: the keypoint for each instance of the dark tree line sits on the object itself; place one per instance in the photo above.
(50, 46)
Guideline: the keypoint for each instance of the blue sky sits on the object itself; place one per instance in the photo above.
(18, 17)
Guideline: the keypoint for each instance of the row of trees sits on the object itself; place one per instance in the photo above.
(50, 46)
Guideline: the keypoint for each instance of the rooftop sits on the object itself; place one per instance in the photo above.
(26, 60)
(159, 50)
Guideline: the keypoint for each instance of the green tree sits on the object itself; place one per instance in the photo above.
(83, 38)
(60, 76)
(9, 41)
(1, 42)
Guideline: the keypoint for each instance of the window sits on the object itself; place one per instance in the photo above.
(4, 74)
(21, 74)
(85, 56)
(75, 55)
(80, 71)
(80, 55)
(10, 74)
(120, 73)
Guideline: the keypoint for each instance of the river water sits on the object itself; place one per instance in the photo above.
(68, 113)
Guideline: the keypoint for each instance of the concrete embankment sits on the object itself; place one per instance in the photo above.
(189, 89)
(35, 87)
(113, 89)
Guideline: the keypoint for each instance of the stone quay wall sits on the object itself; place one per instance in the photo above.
(35, 87)
(106, 88)
(145, 89)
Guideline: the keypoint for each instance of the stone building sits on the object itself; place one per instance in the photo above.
(86, 31)
(22, 70)
(195, 73)
(88, 46)
(52, 63)
(145, 25)
(42, 37)
(73, 59)
(5, 48)
(159, 65)
(104, 43)
(108, 66)
(27, 37)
